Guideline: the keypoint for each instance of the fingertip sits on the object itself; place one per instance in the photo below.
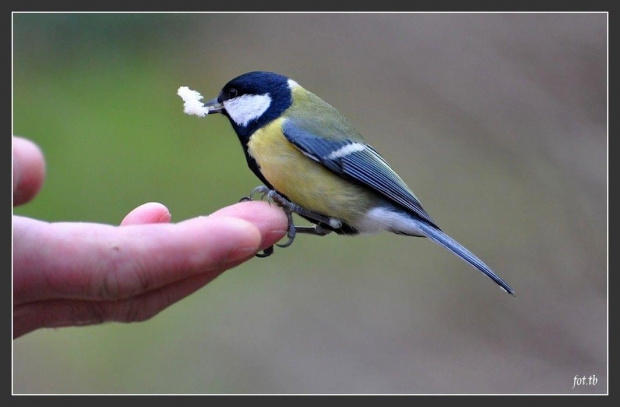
(249, 238)
(232, 239)
(151, 212)
(28, 170)
(265, 216)
(270, 220)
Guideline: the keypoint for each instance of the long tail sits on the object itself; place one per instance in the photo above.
(455, 247)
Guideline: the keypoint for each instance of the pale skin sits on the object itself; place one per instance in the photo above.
(76, 273)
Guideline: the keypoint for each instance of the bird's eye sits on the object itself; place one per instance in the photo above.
(232, 92)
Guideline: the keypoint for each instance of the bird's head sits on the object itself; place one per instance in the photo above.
(252, 100)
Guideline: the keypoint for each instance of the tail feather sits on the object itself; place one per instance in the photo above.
(455, 247)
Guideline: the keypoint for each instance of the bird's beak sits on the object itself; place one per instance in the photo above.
(214, 106)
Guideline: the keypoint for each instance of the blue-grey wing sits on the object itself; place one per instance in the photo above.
(353, 159)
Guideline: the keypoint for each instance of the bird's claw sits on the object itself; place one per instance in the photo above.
(292, 231)
(266, 252)
(262, 190)
(285, 204)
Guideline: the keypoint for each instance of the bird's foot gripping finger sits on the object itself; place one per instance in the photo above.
(289, 208)
(285, 204)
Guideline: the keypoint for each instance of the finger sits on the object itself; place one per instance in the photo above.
(59, 313)
(151, 212)
(99, 262)
(266, 217)
(28, 170)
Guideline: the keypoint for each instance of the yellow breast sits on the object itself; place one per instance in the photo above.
(304, 181)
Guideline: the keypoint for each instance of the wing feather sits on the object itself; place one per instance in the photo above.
(356, 160)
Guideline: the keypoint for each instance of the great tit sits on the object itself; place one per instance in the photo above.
(313, 162)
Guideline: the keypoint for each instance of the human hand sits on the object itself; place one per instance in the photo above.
(74, 273)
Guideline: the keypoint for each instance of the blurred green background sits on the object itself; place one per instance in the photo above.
(496, 121)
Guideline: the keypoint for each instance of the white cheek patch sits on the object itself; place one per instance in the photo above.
(346, 150)
(244, 109)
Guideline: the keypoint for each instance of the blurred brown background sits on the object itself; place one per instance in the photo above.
(496, 121)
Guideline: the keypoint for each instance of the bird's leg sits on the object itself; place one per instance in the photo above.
(290, 208)
(317, 230)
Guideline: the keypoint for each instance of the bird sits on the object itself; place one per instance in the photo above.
(314, 163)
